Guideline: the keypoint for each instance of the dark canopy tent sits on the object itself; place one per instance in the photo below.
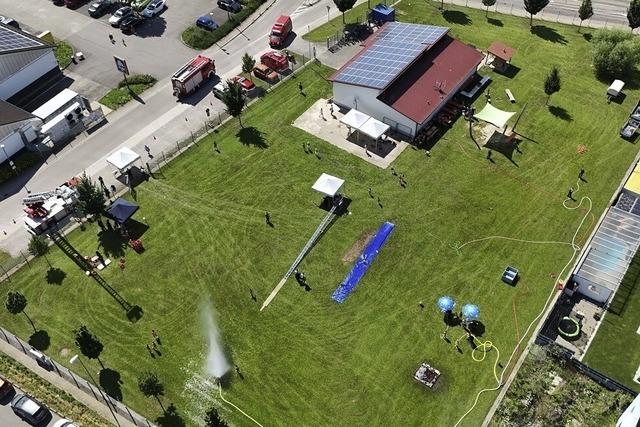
(121, 210)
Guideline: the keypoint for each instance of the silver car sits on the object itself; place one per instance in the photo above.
(153, 8)
(119, 15)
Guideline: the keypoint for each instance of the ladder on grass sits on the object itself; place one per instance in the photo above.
(321, 228)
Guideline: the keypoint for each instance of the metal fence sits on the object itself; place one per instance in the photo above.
(74, 379)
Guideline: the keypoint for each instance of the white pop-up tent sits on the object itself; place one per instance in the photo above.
(374, 128)
(493, 115)
(123, 158)
(616, 88)
(354, 118)
(328, 185)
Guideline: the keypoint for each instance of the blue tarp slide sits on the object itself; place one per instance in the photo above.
(362, 264)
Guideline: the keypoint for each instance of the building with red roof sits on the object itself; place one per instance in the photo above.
(405, 74)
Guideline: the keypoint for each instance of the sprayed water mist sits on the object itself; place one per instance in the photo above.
(216, 363)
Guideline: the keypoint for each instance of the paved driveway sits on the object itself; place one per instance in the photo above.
(9, 419)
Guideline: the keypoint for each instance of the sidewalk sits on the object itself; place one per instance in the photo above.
(80, 389)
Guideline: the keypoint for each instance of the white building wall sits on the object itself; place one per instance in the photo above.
(15, 75)
(592, 290)
(13, 142)
(364, 99)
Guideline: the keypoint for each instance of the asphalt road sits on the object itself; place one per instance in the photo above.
(135, 124)
(9, 419)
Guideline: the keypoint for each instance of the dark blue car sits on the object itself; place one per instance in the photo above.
(207, 23)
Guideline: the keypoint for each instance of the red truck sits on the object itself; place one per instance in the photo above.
(280, 31)
(189, 78)
(275, 60)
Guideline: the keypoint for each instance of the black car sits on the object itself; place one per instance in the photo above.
(99, 8)
(30, 410)
(128, 25)
(230, 5)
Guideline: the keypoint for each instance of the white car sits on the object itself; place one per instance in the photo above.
(64, 423)
(153, 8)
(119, 15)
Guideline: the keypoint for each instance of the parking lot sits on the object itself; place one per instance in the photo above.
(155, 49)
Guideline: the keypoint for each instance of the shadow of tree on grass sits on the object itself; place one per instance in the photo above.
(40, 340)
(252, 136)
(560, 113)
(456, 17)
(110, 381)
(55, 276)
(170, 418)
(112, 243)
(549, 34)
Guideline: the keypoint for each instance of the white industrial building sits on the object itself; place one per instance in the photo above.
(27, 66)
(16, 129)
(405, 74)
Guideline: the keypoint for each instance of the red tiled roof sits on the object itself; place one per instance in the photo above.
(421, 88)
(501, 51)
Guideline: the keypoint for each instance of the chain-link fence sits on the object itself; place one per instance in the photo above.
(115, 407)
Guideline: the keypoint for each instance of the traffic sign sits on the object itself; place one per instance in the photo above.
(121, 65)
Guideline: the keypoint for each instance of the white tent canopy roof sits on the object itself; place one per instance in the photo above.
(354, 118)
(328, 185)
(123, 158)
(374, 128)
(496, 117)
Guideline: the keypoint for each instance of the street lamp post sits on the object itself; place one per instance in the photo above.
(328, 9)
(75, 359)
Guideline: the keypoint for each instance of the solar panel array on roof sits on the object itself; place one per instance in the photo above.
(11, 40)
(394, 48)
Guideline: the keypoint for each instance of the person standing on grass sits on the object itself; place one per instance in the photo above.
(267, 217)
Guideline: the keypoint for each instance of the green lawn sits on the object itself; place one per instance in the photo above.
(336, 25)
(615, 350)
(127, 90)
(307, 360)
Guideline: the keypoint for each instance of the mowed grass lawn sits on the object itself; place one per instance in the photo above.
(306, 360)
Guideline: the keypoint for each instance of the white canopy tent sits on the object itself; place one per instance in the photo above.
(123, 158)
(496, 117)
(364, 123)
(328, 185)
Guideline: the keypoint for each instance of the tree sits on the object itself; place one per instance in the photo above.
(488, 3)
(615, 53)
(343, 6)
(150, 386)
(533, 7)
(234, 99)
(552, 83)
(88, 344)
(247, 63)
(16, 303)
(585, 12)
(212, 419)
(633, 14)
(90, 196)
(38, 246)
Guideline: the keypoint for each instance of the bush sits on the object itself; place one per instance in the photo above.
(23, 160)
(198, 38)
(615, 53)
(63, 52)
(142, 79)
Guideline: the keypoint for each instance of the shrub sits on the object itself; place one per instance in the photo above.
(615, 53)
(198, 38)
(143, 79)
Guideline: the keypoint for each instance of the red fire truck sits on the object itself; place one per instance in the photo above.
(189, 78)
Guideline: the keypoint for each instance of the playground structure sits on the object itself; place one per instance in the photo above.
(363, 263)
(44, 210)
(569, 328)
(330, 187)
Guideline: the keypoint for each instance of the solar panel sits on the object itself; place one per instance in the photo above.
(394, 48)
(13, 40)
(626, 202)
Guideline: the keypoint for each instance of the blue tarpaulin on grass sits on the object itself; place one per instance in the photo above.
(362, 264)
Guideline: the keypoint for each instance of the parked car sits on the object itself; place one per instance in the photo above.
(29, 409)
(65, 423)
(275, 60)
(119, 15)
(71, 4)
(206, 22)
(230, 5)
(153, 8)
(128, 25)
(139, 5)
(280, 31)
(263, 72)
(8, 21)
(247, 85)
(219, 89)
(99, 8)
(58, 2)
(5, 388)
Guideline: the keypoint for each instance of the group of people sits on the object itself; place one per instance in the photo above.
(152, 347)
